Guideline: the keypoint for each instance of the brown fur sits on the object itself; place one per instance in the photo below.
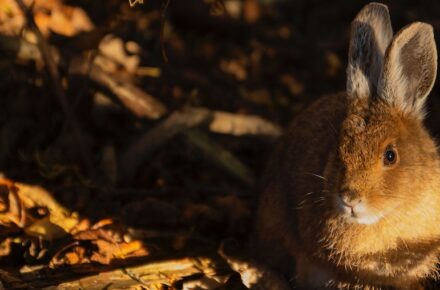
(334, 150)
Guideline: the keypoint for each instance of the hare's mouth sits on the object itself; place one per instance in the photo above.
(357, 213)
(368, 219)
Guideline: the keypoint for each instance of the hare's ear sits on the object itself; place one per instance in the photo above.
(410, 68)
(371, 33)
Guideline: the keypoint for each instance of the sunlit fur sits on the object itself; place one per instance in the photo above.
(334, 151)
(405, 197)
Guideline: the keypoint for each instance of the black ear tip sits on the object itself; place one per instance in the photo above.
(371, 33)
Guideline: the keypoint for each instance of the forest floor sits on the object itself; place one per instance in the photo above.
(133, 137)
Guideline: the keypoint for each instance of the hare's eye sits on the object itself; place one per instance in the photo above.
(390, 156)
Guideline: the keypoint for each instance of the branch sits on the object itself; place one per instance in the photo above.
(180, 121)
(57, 87)
(162, 30)
(136, 100)
(220, 156)
(142, 148)
(133, 98)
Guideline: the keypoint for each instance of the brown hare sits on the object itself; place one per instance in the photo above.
(352, 193)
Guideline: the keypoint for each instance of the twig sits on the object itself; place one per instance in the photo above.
(57, 87)
(136, 100)
(223, 5)
(142, 148)
(147, 275)
(12, 282)
(20, 49)
(190, 117)
(62, 250)
(220, 156)
(162, 29)
(90, 59)
(135, 2)
(239, 125)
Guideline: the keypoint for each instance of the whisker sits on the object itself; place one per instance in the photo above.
(315, 192)
(316, 175)
(321, 197)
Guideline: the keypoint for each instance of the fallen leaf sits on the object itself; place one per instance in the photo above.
(294, 86)
(45, 229)
(113, 49)
(260, 96)
(334, 64)
(12, 210)
(251, 11)
(102, 243)
(126, 249)
(35, 196)
(235, 68)
(50, 15)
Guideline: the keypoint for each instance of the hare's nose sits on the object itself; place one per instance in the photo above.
(350, 202)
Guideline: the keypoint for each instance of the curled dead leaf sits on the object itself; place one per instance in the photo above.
(11, 205)
(50, 15)
(45, 229)
(36, 196)
(113, 54)
(102, 242)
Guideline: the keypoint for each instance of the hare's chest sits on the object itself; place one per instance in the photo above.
(409, 262)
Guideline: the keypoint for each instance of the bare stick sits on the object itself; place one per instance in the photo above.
(12, 282)
(162, 29)
(57, 87)
(180, 121)
(142, 148)
(133, 98)
(139, 102)
(20, 49)
(148, 275)
(220, 156)
(239, 125)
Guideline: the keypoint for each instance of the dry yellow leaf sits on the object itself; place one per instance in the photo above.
(127, 248)
(38, 196)
(45, 229)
